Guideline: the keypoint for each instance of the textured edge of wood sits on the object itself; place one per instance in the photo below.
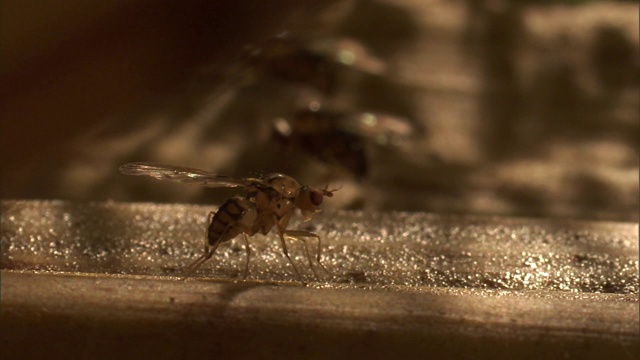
(65, 314)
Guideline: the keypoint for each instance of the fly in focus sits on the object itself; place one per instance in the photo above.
(270, 201)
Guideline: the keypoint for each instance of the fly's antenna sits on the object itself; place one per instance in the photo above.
(329, 193)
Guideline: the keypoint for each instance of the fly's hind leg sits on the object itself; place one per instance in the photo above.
(300, 235)
(248, 249)
(208, 252)
(229, 232)
(204, 257)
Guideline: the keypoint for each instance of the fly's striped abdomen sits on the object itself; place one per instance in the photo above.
(234, 217)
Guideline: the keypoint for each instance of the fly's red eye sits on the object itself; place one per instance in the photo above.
(315, 197)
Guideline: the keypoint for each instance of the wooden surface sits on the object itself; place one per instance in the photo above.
(100, 316)
(102, 279)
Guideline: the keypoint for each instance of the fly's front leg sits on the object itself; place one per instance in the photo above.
(299, 235)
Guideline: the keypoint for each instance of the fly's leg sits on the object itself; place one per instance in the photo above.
(286, 253)
(209, 250)
(248, 249)
(204, 257)
(300, 234)
(284, 249)
(306, 249)
(208, 253)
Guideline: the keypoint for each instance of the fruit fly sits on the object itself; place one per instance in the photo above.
(270, 201)
(339, 137)
(315, 64)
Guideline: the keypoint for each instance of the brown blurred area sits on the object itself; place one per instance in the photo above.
(519, 108)
(69, 69)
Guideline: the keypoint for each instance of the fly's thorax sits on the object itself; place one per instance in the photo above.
(276, 195)
(285, 185)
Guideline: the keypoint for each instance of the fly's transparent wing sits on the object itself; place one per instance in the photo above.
(185, 175)
(352, 53)
(371, 125)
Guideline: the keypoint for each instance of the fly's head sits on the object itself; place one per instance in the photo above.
(309, 200)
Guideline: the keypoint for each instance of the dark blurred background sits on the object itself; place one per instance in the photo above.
(477, 107)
